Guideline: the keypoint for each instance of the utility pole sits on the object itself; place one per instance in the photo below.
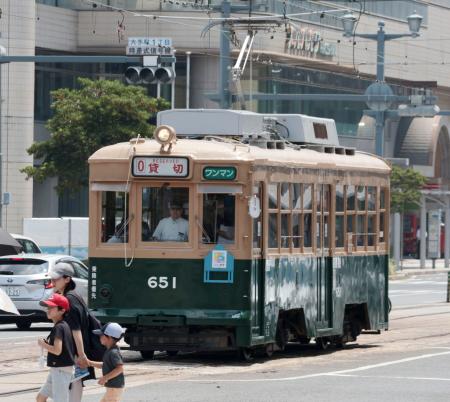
(224, 69)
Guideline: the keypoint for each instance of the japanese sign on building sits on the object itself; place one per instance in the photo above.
(149, 46)
(306, 42)
(147, 166)
(219, 173)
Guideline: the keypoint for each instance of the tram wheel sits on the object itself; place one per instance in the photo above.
(268, 350)
(171, 353)
(304, 341)
(246, 354)
(322, 343)
(338, 343)
(147, 354)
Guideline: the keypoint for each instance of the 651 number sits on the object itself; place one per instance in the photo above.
(162, 282)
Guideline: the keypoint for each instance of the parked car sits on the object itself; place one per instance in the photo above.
(28, 244)
(25, 279)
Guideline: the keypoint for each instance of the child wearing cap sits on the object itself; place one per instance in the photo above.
(61, 351)
(112, 365)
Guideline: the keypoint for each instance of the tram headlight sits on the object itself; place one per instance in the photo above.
(165, 135)
(105, 294)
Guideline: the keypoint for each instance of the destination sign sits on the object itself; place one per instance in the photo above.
(219, 173)
(155, 166)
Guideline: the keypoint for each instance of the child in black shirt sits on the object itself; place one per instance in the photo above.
(61, 350)
(112, 365)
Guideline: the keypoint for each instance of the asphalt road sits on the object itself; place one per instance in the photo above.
(410, 362)
(421, 289)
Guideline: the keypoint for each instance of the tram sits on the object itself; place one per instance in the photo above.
(233, 230)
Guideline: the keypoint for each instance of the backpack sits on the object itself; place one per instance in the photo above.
(95, 350)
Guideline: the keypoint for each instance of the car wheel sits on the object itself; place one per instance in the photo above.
(23, 325)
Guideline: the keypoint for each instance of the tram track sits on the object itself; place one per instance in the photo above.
(19, 392)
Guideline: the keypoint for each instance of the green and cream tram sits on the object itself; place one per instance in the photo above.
(233, 230)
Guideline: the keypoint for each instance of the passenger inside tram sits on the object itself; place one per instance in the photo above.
(174, 227)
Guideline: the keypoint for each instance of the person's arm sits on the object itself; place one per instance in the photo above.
(55, 349)
(82, 360)
(98, 365)
(112, 374)
(73, 319)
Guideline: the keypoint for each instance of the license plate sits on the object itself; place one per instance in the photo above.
(12, 291)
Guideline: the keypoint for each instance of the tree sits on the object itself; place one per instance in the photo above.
(99, 113)
(405, 189)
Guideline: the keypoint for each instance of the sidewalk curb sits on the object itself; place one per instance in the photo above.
(407, 273)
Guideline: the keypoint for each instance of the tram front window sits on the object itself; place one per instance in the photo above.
(165, 214)
(218, 219)
(114, 217)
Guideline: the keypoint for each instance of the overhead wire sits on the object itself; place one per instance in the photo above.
(262, 17)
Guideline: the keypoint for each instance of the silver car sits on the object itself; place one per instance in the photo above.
(25, 279)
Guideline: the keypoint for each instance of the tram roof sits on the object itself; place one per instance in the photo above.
(217, 150)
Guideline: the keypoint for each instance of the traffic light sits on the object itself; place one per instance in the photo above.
(149, 75)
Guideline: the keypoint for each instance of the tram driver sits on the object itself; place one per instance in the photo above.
(174, 227)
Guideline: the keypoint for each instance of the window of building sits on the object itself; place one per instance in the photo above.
(115, 220)
(218, 219)
(165, 214)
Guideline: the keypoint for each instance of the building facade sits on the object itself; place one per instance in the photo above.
(307, 56)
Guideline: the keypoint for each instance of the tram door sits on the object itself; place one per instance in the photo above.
(257, 277)
(324, 261)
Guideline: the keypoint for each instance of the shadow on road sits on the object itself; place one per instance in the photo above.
(214, 359)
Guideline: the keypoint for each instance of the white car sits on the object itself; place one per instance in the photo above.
(28, 244)
(25, 279)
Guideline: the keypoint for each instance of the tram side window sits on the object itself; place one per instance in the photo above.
(272, 192)
(296, 202)
(114, 217)
(372, 215)
(350, 213)
(361, 231)
(307, 215)
(319, 197)
(339, 226)
(218, 219)
(383, 201)
(257, 222)
(165, 214)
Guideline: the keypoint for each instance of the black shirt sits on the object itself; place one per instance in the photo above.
(76, 317)
(77, 320)
(111, 359)
(61, 331)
